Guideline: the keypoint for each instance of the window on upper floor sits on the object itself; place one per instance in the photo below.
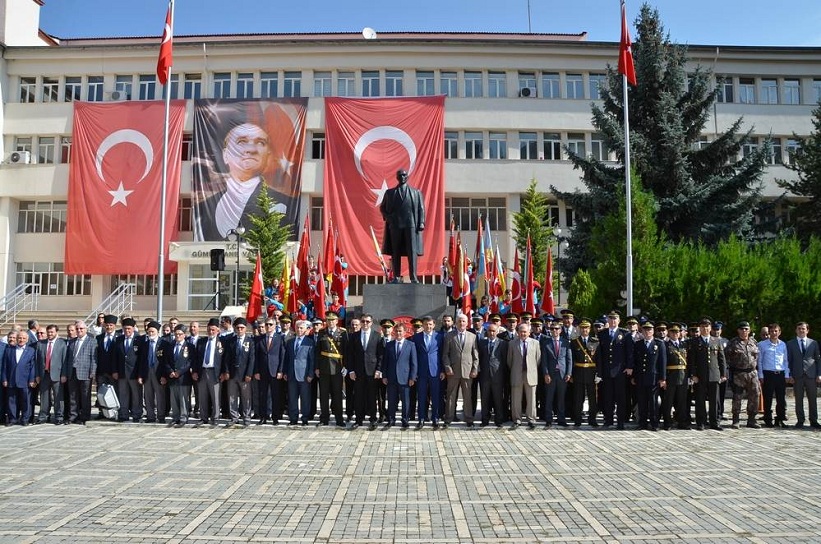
(173, 84)
(574, 86)
(65, 149)
(323, 84)
(23, 143)
(268, 84)
(497, 145)
(245, 85)
(528, 146)
(497, 84)
(317, 212)
(318, 145)
(449, 84)
(425, 83)
(185, 214)
(370, 83)
(28, 89)
(792, 148)
(750, 147)
(192, 86)
(222, 85)
(474, 145)
(466, 212)
(575, 143)
(598, 148)
(43, 216)
(394, 83)
(148, 87)
(124, 85)
(95, 89)
(552, 148)
(451, 145)
(187, 146)
(769, 91)
(73, 88)
(776, 154)
(746, 90)
(725, 89)
(346, 84)
(551, 86)
(596, 83)
(46, 149)
(527, 80)
(816, 90)
(51, 89)
(792, 92)
(473, 85)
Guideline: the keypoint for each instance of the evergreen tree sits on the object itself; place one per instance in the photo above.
(702, 191)
(268, 235)
(806, 216)
(533, 220)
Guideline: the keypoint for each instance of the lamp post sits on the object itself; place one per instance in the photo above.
(559, 245)
(236, 233)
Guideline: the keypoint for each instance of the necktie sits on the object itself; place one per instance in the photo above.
(648, 345)
(398, 349)
(107, 342)
(461, 339)
(176, 351)
(270, 339)
(152, 354)
(803, 347)
(79, 345)
(612, 333)
(364, 339)
(297, 344)
(127, 344)
(239, 346)
(427, 341)
(208, 350)
(556, 347)
(524, 356)
(48, 356)
(490, 347)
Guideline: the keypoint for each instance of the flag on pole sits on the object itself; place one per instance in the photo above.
(547, 306)
(256, 296)
(379, 254)
(626, 66)
(304, 288)
(329, 248)
(464, 278)
(516, 286)
(339, 281)
(285, 281)
(480, 263)
(500, 272)
(319, 299)
(292, 302)
(165, 59)
(530, 302)
(453, 256)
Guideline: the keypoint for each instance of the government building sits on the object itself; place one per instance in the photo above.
(515, 103)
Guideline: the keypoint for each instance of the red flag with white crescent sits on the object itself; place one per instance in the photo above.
(626, 66)
(166, 59)
(339, 282)
(319, 298)
(304, 289)
(255, 298)
(115, 186)
(367, 141)
(516, 286)
(292, 302)
(547, 305)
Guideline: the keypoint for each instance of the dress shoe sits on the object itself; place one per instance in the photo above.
(620, 427)
(654, 429)
(734, 424)
(531, 425)
(769, 424)
(548, 426)
(752, 424)
(387, 425)
(322, 424)
(780, 423)
(471, 426)
(577, 424)
(815, 425)
(799, 425)
(562, 424)
(716, 427)
(304, 423)
(179, 425)
(445, 425)
(515, 425)
(150, 420)
(484, 424)
(405, 426)
(594, 424)
(262, 421)
(420, 424)
(230, 424)
(641, 428)
(699, 427)
(435, 425)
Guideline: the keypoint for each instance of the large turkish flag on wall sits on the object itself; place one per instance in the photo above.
(367, 141)
(115, 186)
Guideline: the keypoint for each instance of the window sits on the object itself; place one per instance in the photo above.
(596, 83)
(528, 146)
(174, 86)
(449, 83)
(185, 215)
(45, 150)
(749, 148)
(192, 87)
(574, 86)
(497, 145)
(245, 85)
(466, 212)
(792, 91)
(575, 143)
(425, 84)
(148, 87)
(28, 89)
(41, 216)
(792, 149)
(322, 84)
(23, 143)
(725, 89)
(51, 280)
(268, 83)
(527, 80)
(51, 89)
(317, 212)
(769, 91)
(95, 89)
(473, 84)
(746, 90)
(552, 149)
(451, 145)
(74, 88)
(65, 149)
(393, 83)
(497, 84)
(346, 84)
(187, 146)
(701, 143)
(553, 214)
(816, 90)
(146, 284)
(370, 83)
(550, 86)
(570, 217)
(222, 85)
(124, 85)
(318, 145)
(776, 156)
(597, 147)
(474, 145)
(292, 84)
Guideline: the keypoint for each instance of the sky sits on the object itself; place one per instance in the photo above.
(697, 22)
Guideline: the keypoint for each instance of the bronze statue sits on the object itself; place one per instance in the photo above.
(404, 213)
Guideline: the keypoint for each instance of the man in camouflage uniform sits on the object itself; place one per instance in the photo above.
(742, 353)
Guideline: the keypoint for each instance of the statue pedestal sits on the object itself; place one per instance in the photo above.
(404, 300)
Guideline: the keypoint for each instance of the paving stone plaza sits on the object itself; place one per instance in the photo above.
(109, 482)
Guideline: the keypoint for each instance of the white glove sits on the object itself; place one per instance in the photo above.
(344, 372)
(597, 379)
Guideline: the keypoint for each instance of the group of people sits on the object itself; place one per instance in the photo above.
(561, 370)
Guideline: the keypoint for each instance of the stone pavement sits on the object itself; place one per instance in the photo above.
(112, 482)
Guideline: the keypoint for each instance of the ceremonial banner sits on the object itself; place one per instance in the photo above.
(115, 186)
(367, 141)
(240, 148)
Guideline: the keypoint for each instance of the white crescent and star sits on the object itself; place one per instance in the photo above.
(166, 33)
(384, 133)
(121, 136)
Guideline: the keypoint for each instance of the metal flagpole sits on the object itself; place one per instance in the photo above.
(628, 199)
(161, 259)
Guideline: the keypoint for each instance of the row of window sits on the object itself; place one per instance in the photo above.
(370, 83)
(49, 216)
(51, 280)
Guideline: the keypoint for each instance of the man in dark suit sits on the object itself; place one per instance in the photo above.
(611, 365)
(153, 389)
(403, 210)
(52, 374)
(240, 371)
(805, 373)
(707, 367)
(82, 362)
(399, 370)
(363, 361)
(430, 372)
(19, 379)
(331, 346)
(583, 349)
(556, 365)
(269, 359)
(649, 364)
(209, 371)
(131, 371)
(298, 371)
(493, 374)
(106, 357)
(460, 360)
(175, 373)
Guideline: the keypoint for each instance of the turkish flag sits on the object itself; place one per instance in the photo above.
(547, 293)
(368, 140)
(626, 66)
(115, 186)
(530, 304)
(256, 295)
(165, 59)
(516, 286)
(339, 283)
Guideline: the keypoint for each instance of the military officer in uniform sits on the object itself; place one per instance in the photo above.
(742, 359)
(649, 364)
(676, 385)
(707, 368)
(331, 345)
(583, 349)
(615, 344)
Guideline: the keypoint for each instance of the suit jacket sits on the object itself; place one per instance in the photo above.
(428, 357)
(556, 364)
(106, 358)
(59, 357)
(364, 360)
(172, 360)
(706, 361)
(461, 359)
(612, 356)
(299, 364)
(205, 227)
(402, 367)
(584, 355)
(221, 345)
(514, 361)
(83, 361)
(241, 359)
(403, 213)
(649, 365)
(19, 374)
(807, 364)
(331, 351)
(492, 364)
(269, 360)
(128, 362)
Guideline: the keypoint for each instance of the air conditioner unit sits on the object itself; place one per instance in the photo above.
(528, 92)
(20, 157)
(116, 96)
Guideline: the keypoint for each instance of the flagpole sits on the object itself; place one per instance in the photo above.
(161, 256)
(628, 199)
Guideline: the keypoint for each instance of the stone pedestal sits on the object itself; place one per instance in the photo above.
(404, 300)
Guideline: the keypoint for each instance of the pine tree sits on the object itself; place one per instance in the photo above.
(702, 191)
(806, 216)
(269, 236)
(532, 220)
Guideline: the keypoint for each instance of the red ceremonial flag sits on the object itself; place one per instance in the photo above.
(457, 288)
(319, 299)
(530, 303)
(367, 141)
(329, 248)
(304, 288)
(256, 296)
(547, 305)
(292, 304)
(626, 66)
(453, 256)
(467, 303)
(339, 283)
(516, 286)
(115, 186)
(166, 59)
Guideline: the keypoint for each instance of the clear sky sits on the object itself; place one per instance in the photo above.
(707, 22)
